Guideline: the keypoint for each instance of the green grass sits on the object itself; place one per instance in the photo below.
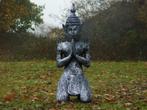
(31, 85)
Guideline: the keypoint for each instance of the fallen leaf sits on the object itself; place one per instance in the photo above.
(10, 97)
(109, 98)
(127, 104)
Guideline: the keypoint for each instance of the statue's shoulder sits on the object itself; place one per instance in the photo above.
(63, 45)
(84, 45)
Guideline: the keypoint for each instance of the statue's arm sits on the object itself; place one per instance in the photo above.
(62, 61)
(84, 60)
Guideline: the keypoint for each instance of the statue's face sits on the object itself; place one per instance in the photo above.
(73, 31)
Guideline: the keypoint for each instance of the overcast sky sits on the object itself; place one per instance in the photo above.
(53, 7)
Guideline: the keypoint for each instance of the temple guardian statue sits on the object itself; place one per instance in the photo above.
(73, 54)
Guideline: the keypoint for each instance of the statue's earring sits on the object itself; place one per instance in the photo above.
(65, 27)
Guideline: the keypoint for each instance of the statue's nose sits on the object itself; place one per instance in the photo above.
(72, 32)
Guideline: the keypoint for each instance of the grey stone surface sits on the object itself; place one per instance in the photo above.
(73, 55)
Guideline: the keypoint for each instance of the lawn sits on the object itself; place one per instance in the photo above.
(31, 85)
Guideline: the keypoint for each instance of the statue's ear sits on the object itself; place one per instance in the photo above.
(65, 27)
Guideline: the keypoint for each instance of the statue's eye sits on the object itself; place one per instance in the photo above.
(75, 29)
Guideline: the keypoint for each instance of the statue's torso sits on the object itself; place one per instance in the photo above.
(80, 49)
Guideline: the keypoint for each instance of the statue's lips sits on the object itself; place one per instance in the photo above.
(73, 36)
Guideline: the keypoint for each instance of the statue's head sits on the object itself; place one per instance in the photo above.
(72, 27)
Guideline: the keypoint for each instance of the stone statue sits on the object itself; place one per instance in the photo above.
(73, 54)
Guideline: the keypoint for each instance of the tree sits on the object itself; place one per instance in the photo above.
(19, 15)
(142, 12)
(89, 8)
